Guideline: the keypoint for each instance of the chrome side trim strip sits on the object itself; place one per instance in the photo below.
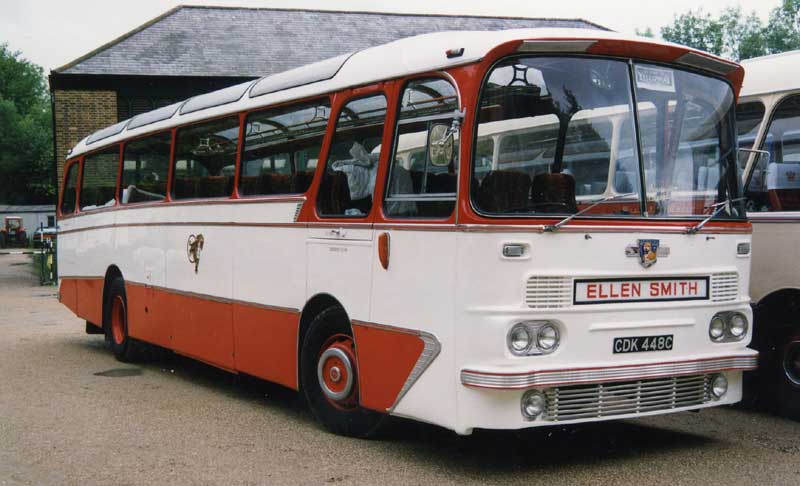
(531, 379)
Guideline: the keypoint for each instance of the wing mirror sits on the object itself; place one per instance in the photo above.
(442, 140)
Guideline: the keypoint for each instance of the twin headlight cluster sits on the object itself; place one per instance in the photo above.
(728, 327)
(533, 337)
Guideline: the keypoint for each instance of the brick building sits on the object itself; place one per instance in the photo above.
(190, 50)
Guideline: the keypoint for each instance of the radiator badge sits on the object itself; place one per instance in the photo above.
(648, 252)
(193, 248)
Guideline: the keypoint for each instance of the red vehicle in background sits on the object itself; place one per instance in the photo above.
(13, 232)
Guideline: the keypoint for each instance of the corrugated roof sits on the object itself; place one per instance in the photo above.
(226, 41)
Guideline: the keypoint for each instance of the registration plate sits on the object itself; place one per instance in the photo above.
(641, 344)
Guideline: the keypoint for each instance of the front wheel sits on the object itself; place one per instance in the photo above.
(329, 376)
(789, 385)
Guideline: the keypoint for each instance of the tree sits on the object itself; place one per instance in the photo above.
(737, 35)
(26, 146)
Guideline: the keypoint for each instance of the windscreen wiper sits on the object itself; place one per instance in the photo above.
(719, 207)
(552, 228)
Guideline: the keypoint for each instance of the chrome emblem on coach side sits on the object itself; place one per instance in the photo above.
(647, 251)
(193, 248)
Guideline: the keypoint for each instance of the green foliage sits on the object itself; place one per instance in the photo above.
(26, 145)
(737, 35)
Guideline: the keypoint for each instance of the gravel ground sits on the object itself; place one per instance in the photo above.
(71, 414)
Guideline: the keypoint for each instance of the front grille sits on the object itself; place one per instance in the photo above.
(548, 292)
(724, 286)
(625, 397)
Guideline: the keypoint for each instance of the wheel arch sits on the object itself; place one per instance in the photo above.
(778, 306)
(312, 309)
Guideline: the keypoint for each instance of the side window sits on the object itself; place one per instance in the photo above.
(349, 180)
(780, 180)
(70, 189)
(99, 182)
(424, 170)
(281, 147)
(205, 159)
(145, 166)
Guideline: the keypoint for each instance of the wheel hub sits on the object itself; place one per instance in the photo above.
(336, 371)
(118, 320)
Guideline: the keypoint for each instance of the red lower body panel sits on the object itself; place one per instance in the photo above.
(386, 357)
(261, 341)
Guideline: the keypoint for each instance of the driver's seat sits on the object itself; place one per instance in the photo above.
(554, 193)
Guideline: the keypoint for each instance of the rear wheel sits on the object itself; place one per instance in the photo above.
(115, 323)
(329, 376)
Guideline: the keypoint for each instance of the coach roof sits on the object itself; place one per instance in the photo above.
(770, 74)
(418, 54)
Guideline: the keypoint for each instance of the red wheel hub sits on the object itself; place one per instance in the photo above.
(336, 372)
(118, 324)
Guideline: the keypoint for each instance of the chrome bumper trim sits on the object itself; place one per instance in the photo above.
(540, 378)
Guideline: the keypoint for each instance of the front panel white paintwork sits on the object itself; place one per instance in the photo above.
(418, 291)
(491, 298)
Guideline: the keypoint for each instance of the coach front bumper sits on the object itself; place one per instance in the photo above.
(493, 398)
(513, 379)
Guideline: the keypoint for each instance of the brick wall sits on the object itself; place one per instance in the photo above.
(77, 114)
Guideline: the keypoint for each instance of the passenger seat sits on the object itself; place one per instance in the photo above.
(504, 191)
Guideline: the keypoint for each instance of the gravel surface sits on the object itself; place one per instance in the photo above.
(71, 414)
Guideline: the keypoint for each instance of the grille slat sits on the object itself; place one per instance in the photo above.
(724, 286)
(548, 292)
(620, 398)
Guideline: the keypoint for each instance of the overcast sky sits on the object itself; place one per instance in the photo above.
(54, 32)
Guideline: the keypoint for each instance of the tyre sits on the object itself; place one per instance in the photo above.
(329, 376)
(788, 380)
(2, 240)
(115, 323)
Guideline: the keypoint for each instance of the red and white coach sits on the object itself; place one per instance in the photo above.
(473, 229)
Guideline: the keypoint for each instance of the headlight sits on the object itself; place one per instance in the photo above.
(727, 327)
(519, 339)
(738, 325)
(719, 386)
(533, 404)
(547, 338)
(717, 328)
(533, 337)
